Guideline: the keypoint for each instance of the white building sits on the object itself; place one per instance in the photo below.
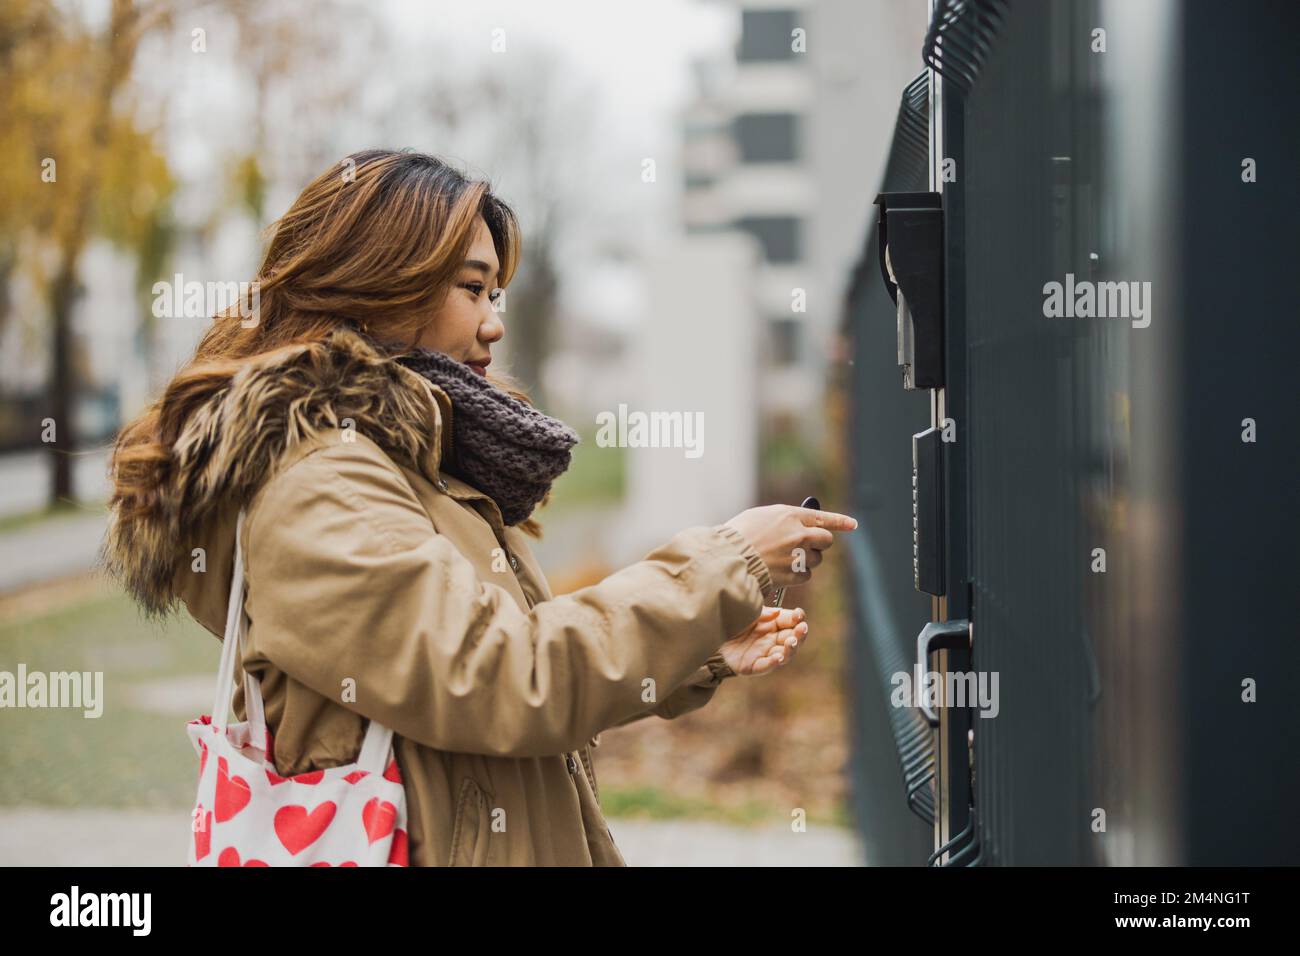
(782, 153)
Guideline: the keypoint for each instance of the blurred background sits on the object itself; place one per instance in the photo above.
(693, 187)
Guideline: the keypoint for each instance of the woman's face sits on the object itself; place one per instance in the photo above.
(466, 325)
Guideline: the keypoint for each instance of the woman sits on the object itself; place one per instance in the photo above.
(388, 485)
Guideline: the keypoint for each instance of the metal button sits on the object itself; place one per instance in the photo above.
(442, 484)
(514, 562)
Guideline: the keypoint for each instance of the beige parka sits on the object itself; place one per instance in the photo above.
(380, 587)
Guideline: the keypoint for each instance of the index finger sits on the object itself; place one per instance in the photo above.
(830, 520)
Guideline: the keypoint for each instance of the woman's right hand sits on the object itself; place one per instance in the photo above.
(776, 531)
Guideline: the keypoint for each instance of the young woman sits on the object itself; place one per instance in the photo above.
(388, 483)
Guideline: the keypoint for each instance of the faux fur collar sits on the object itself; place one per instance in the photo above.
(232, 442)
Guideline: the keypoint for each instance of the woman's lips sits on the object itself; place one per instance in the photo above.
(478, 368)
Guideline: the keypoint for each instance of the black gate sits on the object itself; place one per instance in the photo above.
(1116, 495)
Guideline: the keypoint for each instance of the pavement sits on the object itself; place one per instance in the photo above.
(25, 479)
(45, 837)
(57, 546)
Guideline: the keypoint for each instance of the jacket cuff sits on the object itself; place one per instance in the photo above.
(757, 566)
(719, 669)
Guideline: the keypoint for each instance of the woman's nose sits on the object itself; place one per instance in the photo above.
(492, 328)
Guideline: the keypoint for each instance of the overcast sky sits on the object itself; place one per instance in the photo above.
(628, 61)
(636, 53)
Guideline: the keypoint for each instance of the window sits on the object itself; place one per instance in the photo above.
(785, 337)
(765, 35)
(767, 137)
(779, 236)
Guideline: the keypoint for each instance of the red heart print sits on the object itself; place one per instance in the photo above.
(203, 835)
(356, 775)
(230, 857)
(298, 829)
(378, 817)
(203, 757)
(314, 776)
(233, 793)
(392, 772)
(397, 854)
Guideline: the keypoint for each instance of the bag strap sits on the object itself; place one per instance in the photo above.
(375, 748)
(378, 740)
(235, 639)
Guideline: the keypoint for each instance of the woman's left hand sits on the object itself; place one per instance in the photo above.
(770, 642)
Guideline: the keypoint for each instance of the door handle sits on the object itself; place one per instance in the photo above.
(937, 636)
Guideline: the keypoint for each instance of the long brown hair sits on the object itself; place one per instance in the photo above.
(374, 242)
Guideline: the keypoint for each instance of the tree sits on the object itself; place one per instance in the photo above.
(74, 163)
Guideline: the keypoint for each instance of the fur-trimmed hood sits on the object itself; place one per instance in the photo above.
(233, 442)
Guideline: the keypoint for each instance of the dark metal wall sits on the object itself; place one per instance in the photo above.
(1121, 736)
(1239, 248)
(891, 751)
(1039, 438)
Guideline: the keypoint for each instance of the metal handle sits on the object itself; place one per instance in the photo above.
(935, 636)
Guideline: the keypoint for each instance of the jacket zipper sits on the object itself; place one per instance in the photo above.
(571, 764)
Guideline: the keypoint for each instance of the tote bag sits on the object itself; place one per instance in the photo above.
(248, 815)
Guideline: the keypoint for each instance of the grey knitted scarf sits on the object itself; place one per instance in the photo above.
(505, 448)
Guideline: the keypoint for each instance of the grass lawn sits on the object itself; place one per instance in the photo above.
(129, 756)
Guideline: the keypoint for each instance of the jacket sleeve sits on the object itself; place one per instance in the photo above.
(694, 693)
(350, 586)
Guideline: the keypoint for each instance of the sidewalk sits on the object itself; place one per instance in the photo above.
(50, 548)
(25, 479)
(38, 837)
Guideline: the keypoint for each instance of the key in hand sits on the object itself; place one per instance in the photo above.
(809, 502)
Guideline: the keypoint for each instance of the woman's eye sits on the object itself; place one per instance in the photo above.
(474, 287)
